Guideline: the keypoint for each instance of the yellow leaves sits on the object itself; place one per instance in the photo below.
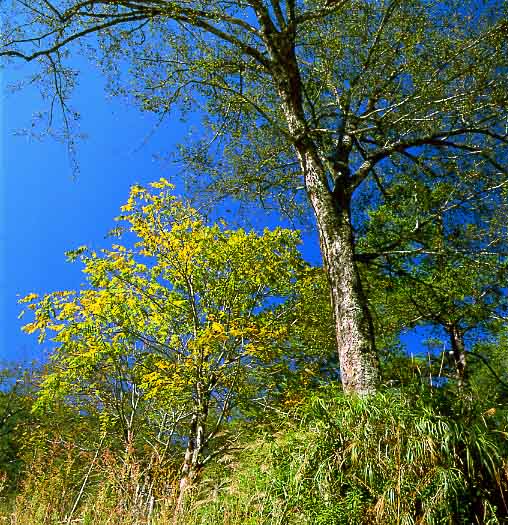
(95, 302)
(72, 255)
(92, 349)
(162, 365)
(68, 310)
(490, 412)
(141, 268)
(138, 193)
(46, 312)
(136, 189)
(163, 381)
(30, 328)
(63, 294)
(128, 206)
(209, 337)
(131, 302)
(95, 308)
(151, 377)
(184, 301)
(207, 351)
(28, 298)
(217, 328)
(161, 184)
(293, 402)
(179, 303)
(118, 263)
(135, 192)
(116, 339)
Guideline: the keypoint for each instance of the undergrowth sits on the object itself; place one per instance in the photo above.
(394, 458)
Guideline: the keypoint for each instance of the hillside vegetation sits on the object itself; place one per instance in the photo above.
(193, 379)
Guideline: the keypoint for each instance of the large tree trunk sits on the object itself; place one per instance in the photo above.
(354, 329)
(359, 363)
(458, 353)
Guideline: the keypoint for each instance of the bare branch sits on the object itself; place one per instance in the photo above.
(60, 44)
(281, 21)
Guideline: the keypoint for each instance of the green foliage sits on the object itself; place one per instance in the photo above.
(173, 336)
(395, 458)
(16, 399)
(488, 376)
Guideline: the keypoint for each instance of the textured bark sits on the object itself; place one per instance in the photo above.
(354, 329)
(458, 353)
(190, 470)
(193, 453)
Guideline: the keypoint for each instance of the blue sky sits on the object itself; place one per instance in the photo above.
(45, 211)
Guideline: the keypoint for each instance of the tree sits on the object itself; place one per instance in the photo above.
(16, 399)
(452, 274)
(187, 317)
(340, 98)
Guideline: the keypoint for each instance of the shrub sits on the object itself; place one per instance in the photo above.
(396, 458)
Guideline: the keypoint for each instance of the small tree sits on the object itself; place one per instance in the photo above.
(186, 317)
(450, 267)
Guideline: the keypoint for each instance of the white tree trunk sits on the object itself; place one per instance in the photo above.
(359, 363)
(354, 330)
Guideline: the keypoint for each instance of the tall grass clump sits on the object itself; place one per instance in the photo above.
(409, 457)
(68, 485)
(396, 458)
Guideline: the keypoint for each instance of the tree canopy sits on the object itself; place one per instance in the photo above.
(354, 102)
(188, 317)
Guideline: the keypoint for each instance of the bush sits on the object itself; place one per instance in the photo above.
(390, 459)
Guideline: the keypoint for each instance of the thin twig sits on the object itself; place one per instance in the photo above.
(85, 481)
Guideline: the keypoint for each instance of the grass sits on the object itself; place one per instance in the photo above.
(396, 458)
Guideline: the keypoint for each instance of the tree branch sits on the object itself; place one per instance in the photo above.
(331, 6)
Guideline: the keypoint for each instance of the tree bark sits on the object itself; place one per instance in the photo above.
(190, 467)
(458, 353)
(193, 453)
(359, 364)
